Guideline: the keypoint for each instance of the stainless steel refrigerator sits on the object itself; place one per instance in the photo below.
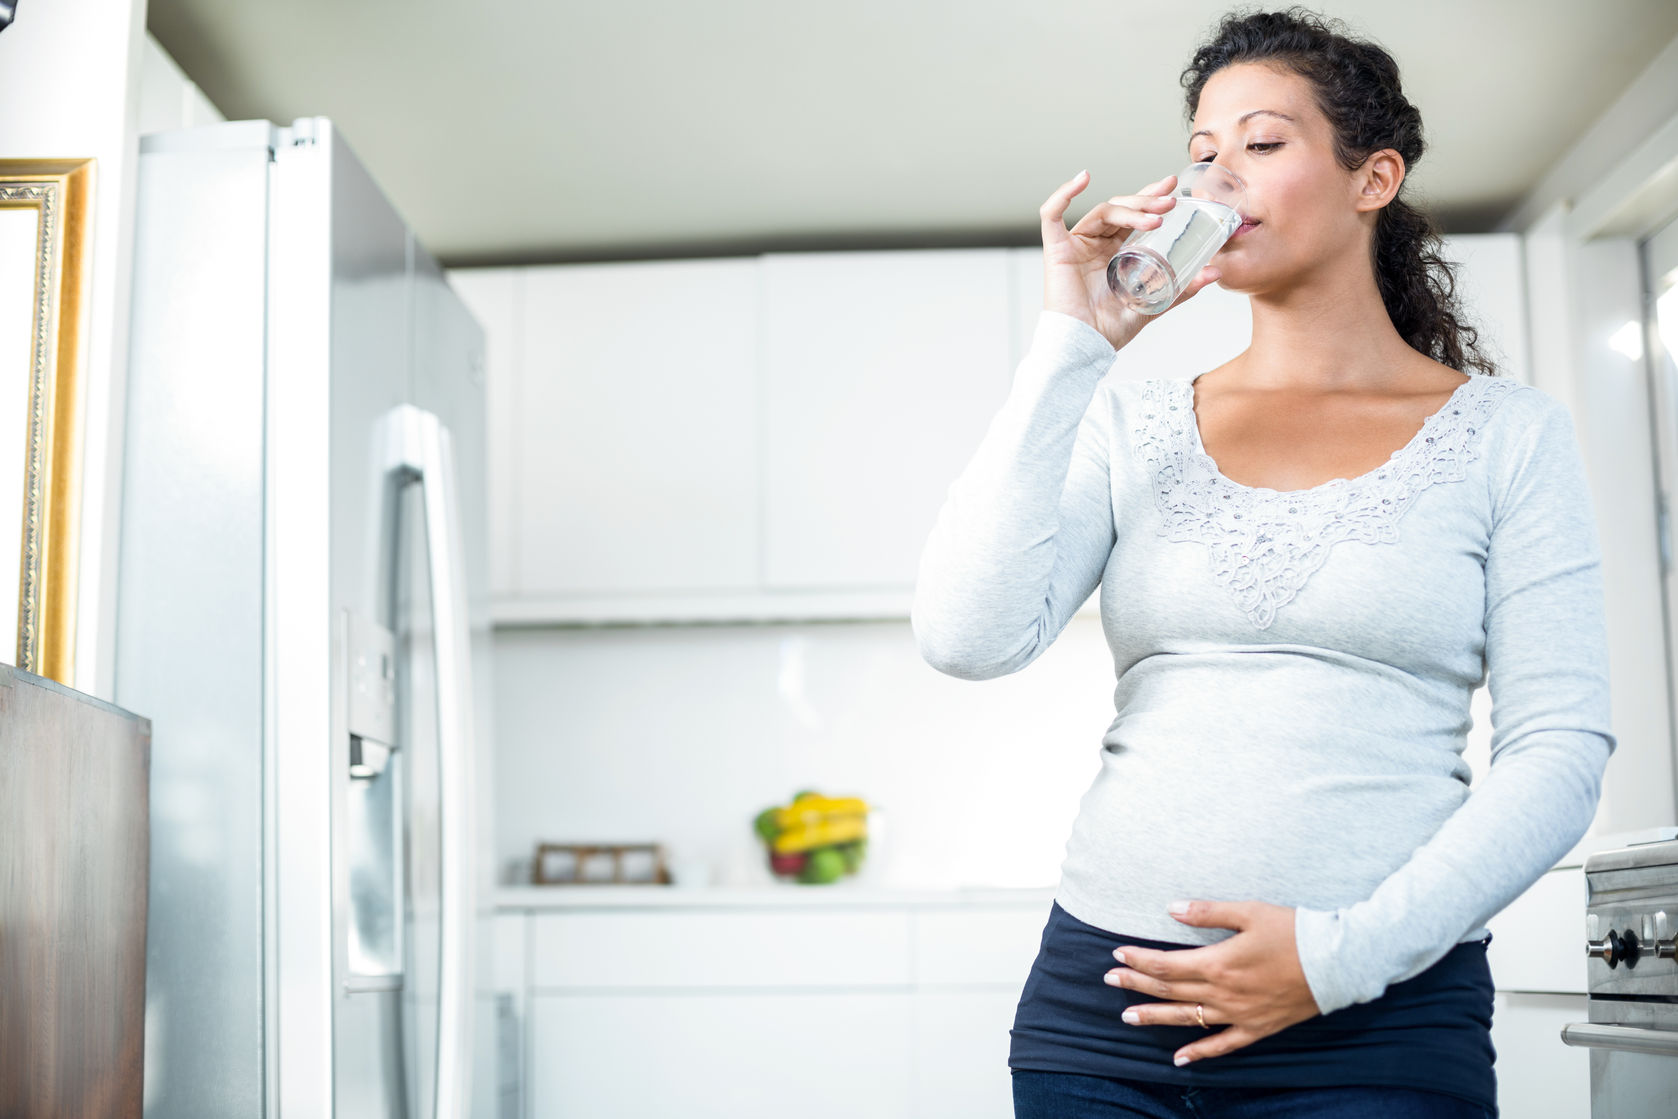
(303, 614)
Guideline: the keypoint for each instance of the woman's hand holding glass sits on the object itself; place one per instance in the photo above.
(1075, 260)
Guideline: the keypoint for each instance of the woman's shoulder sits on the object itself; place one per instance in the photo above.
(1514, 412)
(1125, 393)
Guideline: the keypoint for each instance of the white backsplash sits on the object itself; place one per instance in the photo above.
(681, 735)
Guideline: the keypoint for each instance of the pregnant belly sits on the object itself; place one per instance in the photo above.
(1310, 826)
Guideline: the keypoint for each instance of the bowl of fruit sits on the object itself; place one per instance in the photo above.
(816, 839)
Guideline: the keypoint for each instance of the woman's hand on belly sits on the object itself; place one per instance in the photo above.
(1252, 981)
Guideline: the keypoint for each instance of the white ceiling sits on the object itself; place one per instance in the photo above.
(549, 130)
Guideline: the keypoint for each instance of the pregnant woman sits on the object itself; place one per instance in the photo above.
(1309, 558)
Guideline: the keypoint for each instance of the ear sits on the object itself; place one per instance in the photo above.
(1376, 183)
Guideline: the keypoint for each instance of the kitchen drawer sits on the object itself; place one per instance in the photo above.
(720, 949)
(1538, 941)
(970, 946)
(961, 1053)
(698, 1055)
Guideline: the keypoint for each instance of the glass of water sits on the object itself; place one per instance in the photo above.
(1153, 266)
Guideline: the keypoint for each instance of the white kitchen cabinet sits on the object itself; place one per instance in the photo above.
(752, 1004)
(722, 1055)
(1536, 938)
(881, 373)
(494, 296)
(1538, 1075)
(961, 1052)
(637, 430)
(680, 948)
(1491, 282)
(772, 438)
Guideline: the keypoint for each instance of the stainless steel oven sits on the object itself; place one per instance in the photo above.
(1631, 925)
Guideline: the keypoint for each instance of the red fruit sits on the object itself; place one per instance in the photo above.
(790, 862)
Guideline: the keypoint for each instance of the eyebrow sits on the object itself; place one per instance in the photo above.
(1244, 120)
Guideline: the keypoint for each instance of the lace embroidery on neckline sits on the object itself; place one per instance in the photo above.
(1263, 544)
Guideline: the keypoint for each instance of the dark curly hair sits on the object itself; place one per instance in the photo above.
(1357, 89)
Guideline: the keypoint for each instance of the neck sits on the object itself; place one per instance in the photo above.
(1328, 333)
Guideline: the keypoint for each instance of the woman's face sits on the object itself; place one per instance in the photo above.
(1262, 123)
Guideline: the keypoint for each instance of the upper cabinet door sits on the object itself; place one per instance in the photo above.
(1491, 283)
(1189, 339)
(637, 429)
(881, 373)
(493, 297)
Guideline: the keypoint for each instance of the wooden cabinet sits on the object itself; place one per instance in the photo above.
(770, 438)
(74, 861)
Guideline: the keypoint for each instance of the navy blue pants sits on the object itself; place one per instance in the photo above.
(1426, 1038)
(1068, 1095)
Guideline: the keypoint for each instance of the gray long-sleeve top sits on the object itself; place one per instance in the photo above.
(1294, 668)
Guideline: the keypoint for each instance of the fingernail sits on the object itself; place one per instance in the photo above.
(1132, 1017)
(1180, 1061)
(1178, 908)
(1118, 955)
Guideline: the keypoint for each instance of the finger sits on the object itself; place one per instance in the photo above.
(1215, 914)
(1224, 1041)
(1180, 963)
(1169, 1014)
(1121, 215)
(1053, 211)
(1177, 990)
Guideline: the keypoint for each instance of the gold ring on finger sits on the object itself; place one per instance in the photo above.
(1199, 1013)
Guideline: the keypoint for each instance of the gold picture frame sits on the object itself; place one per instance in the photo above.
(46, 236)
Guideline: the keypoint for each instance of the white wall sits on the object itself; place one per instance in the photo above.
(1581, 289)
(68, 74)
(681, 735)
(168, 98)
(83, 78)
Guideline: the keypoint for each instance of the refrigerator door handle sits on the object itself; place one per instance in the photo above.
(420, 448)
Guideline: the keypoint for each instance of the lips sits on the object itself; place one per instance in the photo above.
(1247, 225)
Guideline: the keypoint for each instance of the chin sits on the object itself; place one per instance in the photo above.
(1245, 277)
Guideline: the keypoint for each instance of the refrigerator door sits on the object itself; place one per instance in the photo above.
(402, 853)
(449, 383)
(365, 345)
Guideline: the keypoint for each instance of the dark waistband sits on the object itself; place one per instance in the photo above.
(1431, 1031)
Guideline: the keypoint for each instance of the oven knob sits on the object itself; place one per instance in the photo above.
(1610, 949)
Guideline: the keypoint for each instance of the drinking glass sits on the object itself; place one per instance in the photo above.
(1153, 266)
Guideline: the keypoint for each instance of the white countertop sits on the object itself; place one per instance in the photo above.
(854, 894)
(850, 894)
